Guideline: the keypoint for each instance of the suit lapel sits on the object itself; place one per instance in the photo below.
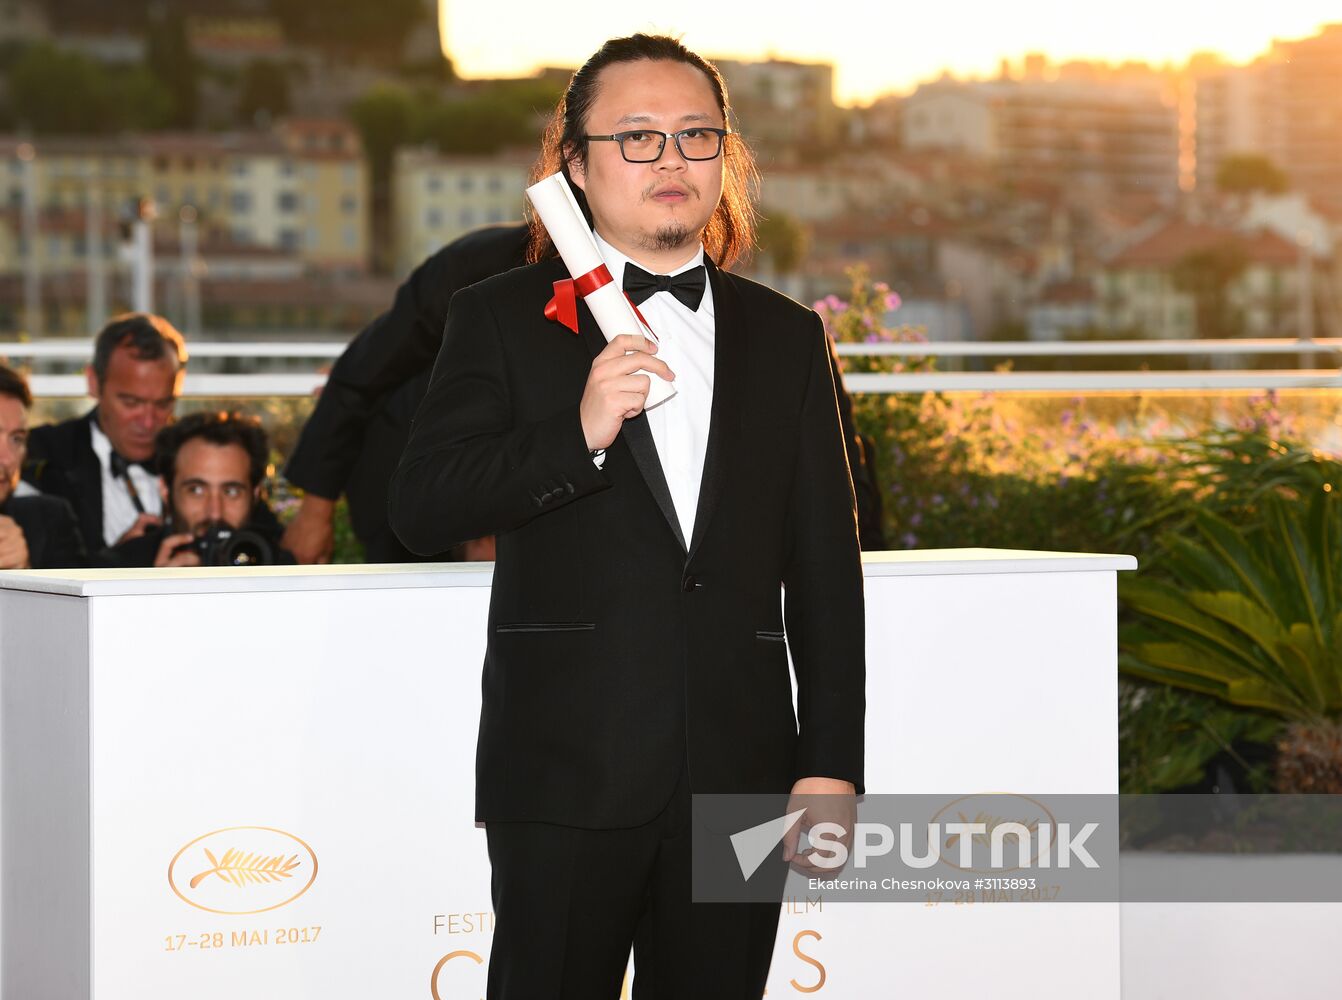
(729, 382)
(88, 474)
(637, 435)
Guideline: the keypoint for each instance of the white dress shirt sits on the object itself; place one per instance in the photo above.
(119, 511)
(685, 341)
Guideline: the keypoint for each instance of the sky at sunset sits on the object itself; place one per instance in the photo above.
(876, 47)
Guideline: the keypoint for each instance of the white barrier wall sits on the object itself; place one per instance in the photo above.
(225, 783)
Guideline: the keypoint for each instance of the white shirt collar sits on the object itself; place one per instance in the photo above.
(102, 444)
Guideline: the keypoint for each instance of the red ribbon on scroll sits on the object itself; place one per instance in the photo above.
(563, 307)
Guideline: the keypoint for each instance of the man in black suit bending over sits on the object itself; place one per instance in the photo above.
(637, 648)
(102, 462)
(36, 532)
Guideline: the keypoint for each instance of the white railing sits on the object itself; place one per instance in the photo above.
(202, 384)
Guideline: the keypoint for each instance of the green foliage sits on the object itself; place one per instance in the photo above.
(1167, 737)
(348, 24)
(264, 90)
(783, 240)
(53, 91)
(1253, 617)
(481, 121)
(1249, 172)
(385, 117)
(169, 58)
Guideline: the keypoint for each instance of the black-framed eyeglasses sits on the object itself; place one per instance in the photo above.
(644, 145)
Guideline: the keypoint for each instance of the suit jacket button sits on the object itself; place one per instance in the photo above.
(689, 584)
(547, 497)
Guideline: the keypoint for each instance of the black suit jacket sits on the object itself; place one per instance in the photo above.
(49, 528)
(615, 646)
(61, 462)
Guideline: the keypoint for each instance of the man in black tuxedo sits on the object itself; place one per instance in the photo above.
(36, 532)
(361, 420)
(102, 462)
(637, 645)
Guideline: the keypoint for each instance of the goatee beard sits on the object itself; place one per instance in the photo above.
(671, 236)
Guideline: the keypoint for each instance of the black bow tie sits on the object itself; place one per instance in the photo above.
(687, 286)
(121, 465)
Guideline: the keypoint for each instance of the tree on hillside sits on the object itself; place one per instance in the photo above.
(169, 57)
(264, 90)
(1246, 173)
(349, 24)
(52, 90)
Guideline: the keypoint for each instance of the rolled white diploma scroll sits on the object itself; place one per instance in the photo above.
(564, 221)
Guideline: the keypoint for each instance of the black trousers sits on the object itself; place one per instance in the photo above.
(568, 904)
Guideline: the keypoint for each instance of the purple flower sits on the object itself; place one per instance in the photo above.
(915, 519)
(910, 539)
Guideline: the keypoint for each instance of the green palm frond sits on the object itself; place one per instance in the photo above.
(1249, 616)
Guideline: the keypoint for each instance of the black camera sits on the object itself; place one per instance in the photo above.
(220, 544)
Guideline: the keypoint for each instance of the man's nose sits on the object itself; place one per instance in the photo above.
(214, 506)
(671, 158)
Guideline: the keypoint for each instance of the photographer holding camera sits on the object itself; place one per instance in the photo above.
(212, 467)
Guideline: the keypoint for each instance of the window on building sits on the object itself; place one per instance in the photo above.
(468, 217)
(290, 239)
(433, 218)
(349, 236)
(287, 201)
(495, 183)
(466, 183)
(433, 184)
(240, 201)
(349, 204)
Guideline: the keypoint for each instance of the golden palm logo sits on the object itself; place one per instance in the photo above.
(242, 870)
(988, 803)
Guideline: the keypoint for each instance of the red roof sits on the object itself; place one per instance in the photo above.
(1176, 240)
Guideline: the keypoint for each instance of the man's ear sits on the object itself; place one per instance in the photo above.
(163, 492)
(577, 172)
(91, 378)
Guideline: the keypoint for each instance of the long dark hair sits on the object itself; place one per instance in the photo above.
(730, 233)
